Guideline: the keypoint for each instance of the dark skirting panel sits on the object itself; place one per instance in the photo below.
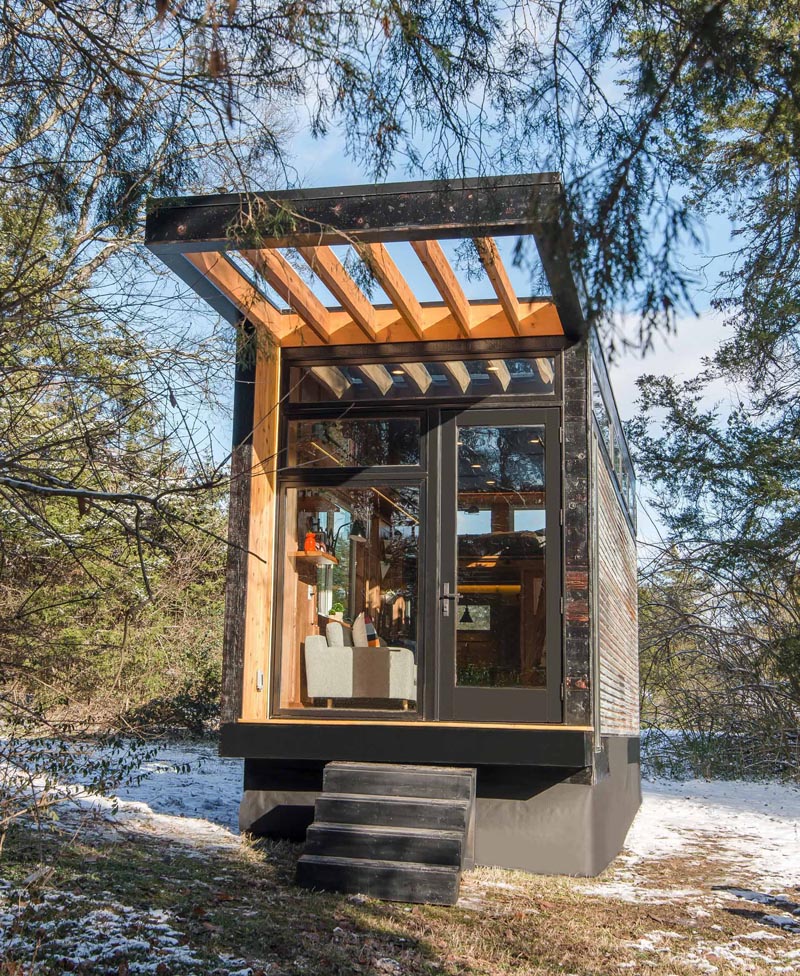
(412, 743)
(540, 819)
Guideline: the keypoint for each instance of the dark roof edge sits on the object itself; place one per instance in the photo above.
(362, 189)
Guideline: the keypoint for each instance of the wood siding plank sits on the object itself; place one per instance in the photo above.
(261, 558)
(617, 613)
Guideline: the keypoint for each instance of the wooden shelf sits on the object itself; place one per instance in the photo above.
(318, 558)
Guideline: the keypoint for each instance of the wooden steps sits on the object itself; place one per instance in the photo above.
(401, 833)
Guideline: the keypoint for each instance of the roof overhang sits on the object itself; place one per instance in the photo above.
(226, 247)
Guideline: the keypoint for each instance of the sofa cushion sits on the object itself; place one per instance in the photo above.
(360, 632)
(334, 632)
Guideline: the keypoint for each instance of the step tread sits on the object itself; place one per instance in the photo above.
(445, 833)
(398, 798)
(417, 867)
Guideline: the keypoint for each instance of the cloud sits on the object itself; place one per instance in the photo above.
(679, 355)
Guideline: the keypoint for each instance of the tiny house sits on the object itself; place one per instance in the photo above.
(431, 582)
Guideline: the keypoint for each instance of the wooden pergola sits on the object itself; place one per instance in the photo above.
(224, 246)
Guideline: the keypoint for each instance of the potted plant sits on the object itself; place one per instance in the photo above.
(336, 611)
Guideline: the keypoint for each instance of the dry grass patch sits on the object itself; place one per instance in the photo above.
(236, 911)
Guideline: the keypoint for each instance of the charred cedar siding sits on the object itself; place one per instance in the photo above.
(617, 612)
(238, 529)
(577, 660)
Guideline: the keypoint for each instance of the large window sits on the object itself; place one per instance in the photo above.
(413, 578)
(350, 597)
(348, 443)
(500, 526)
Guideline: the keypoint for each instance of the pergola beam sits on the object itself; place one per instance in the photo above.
(442, 275)
(537, 316)
(389, 277)
(480, 208)
(497, 274)
(277, 271)
(329, 269)
(228, 280)
(496, 270)
(340, 215)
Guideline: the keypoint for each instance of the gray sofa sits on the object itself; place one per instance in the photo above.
(334, 669)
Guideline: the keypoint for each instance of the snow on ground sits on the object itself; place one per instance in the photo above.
(754, 825)
(749, 834)
(210, 789)
(186, 794)
(87, 936)
(190, 793)
(749, 830)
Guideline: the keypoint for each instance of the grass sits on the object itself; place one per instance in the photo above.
(142, 905)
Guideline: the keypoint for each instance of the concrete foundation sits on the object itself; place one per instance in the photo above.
(545, 821)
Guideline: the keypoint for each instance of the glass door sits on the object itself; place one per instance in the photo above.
(500, 580)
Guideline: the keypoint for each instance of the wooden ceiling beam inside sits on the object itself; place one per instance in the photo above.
(331, 272)
(459, 374)
(435, 262)
(378, 376)
(499, 369)
(418, 373)
(333, 378)
(281, 276)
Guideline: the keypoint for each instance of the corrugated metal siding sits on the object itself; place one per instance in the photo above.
(617, 613)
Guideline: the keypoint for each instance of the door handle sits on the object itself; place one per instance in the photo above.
(445, 599)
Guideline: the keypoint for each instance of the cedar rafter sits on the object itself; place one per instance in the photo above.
(228, 279)
(496, 271)
(329, 269)
(390, 278)
(497, 274)
(275, 269)
(442, 275)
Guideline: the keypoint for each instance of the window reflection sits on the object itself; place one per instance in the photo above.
(500, 636)
(534, 375)
(353, 443)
